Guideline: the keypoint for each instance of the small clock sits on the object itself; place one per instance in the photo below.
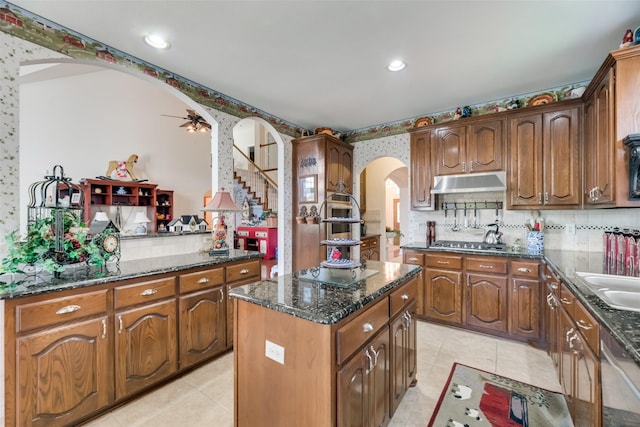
(110, 243)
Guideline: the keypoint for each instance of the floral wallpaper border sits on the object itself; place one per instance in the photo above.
(34, 28)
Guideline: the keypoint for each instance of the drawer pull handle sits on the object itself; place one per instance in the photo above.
(584, 325)
(367, 327)
(221, 294)
(524, 270)
(203, 280)
(553, 285)
(565, 301)
(366, 353)
(120, 319)
(68, 309)
(244, 271)
(148, 292)
(104, 328)
(443, 262)
(404, 297)
(486, 266)
(413, 259)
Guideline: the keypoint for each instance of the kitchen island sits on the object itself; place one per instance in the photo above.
(315, 348)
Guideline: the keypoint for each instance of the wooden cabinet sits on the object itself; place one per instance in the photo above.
(524, 299)
(239, 274)
(443, 288)
(486, 302)
(544, 158)
(370, 248)
(552, 316)
(164, 210)
(610, 114)
(421, 169)
(319, 163)
(70, 355)
(203, 316)
(472, 147)
(417, 258)
(363, 386)
(403, 364)
(146, 345)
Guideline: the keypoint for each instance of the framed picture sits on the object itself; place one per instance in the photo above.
(75, 198)
(308, 189)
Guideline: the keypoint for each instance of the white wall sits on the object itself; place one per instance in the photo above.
(83, 122)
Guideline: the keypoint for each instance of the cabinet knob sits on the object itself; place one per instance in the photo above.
(584, 325)
(203, 280)
(486, 266)
(404, 297)
(546, 197)
(68, 309)
(524, 270)
(367, 327)
(413, 259)
(443, 262)
(244, 271)
(540, 198)
(148, 292)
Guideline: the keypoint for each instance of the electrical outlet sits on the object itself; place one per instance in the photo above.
(274, 351)
(570, 229)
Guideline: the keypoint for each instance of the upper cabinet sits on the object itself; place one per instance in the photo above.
(339, 165)
(465, 147)
(611, 112)
(544, 158)
(421, 171)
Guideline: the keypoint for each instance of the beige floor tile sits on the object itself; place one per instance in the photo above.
(204, 397)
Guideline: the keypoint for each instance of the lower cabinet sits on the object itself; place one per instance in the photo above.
(370, 248)
(56, 378)
(443, 288)
(363, 386)
(403, 363)
(486, 302)
(70, 355)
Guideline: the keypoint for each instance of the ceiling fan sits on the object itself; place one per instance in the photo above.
(195, 122)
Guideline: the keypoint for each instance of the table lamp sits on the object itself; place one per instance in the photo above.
(221, 203)
(141, 221)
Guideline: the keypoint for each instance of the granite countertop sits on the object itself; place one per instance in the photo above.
(299, 295)
(424, 246)
(17, 286)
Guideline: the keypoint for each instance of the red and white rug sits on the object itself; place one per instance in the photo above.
(473, 397)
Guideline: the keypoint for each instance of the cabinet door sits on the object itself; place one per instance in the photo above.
(443, 297)
(203, 321)
(525, 161)
(403, 362)
(567, 330)
(420, 158)
(484, 146)
(562, 185)
(63, 374)
(598, 144)
(486, 302)
(586, 405)
(524, 308)
(551, 320)
(339, 166)
(363, 396)
(146, 346)
(450, 150)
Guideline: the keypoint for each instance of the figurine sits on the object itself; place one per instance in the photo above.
(466, 111)
(627, 39)
(458, 114)
(513, 104)
(123, 169)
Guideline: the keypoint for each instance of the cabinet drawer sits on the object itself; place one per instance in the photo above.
(358, 331)
(138, 293)
(243, 271)
(413, 258)
(403, 296)
(567, 299)
(444, 261)
(201, 280)
(588, 326)
(52, 311)
(490, 265)
(525, 269)
(369, 243)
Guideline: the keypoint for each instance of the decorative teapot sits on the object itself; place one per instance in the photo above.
(492, 237)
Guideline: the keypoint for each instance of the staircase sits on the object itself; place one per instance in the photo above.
(256, 182)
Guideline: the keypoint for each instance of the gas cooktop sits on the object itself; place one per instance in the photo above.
(476, 246)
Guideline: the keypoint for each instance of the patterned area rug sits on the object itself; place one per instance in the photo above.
(478, 398)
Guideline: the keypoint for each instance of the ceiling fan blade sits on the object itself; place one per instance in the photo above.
(177, 117)
(192, 113)
(186, 125)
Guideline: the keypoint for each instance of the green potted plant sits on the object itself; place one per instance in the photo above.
(271, 216)
(393, 234)
(38, 249)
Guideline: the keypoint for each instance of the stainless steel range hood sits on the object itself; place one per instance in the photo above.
(470, 183)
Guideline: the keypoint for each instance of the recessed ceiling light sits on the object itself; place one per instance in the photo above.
(156, 41)
(396, 65)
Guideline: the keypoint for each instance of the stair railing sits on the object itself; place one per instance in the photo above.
(257, 182)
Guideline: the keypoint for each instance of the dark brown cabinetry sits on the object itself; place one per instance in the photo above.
(236, 275)
(486, 294)
(164, 210)
(319, 163)
(370, 248)
(417, 258)
(421, 169)
(465, 148)
(544, 158)
(75, 355)
(524, 300)
(443, 288)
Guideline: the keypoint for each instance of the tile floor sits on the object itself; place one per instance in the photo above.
(204, 397)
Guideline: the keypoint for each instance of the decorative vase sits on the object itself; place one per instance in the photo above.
(299, 219)
(309, 220)
(272, 221)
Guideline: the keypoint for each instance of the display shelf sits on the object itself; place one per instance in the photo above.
(164, 210)
(340, 242)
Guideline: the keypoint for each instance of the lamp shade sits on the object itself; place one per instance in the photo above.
(221, 201)
(141, 218)
(101, 216)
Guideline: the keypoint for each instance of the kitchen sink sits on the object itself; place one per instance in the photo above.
(621, 292)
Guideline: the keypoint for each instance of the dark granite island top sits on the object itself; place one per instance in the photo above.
(18, 286)
(299, 295)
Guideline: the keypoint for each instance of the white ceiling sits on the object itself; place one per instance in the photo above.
(323, 63)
